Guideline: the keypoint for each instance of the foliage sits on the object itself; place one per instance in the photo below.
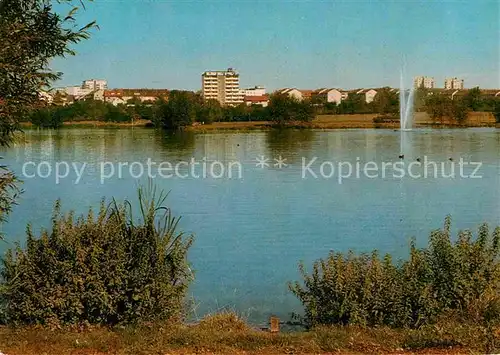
(104, 269)
(440, 107)
(53, 116)
(179, 111)
(459, 111)
(355, 103)
(496, 111)
(460, 278)
(9, 191)
(31, 34)
(385, 102)
(392, 118)
(46, 118)
(472, 100)
(210, 111)
(420, 99)
(114, 114)
(284, 109)
(437, 106)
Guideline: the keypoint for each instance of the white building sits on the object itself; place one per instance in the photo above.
(329, 95)
(454, 83)
(88, 87)
(223, 86)
(292, 92)
(95, 84)
(255, 91)
(424, 82)
(122, 96)
(368, 93)
(76, 91)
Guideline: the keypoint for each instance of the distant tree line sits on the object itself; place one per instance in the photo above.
(439, 105)
(183, 108)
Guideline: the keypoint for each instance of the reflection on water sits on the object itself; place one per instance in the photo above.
(289, 142)
(252, 232)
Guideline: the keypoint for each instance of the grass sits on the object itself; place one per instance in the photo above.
(363, 121)
(228, 334)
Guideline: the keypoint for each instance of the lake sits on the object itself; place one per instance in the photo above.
(253, 224)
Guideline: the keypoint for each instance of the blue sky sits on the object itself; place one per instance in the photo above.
(294, 43)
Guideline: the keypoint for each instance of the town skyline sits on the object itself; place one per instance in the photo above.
(288, 44)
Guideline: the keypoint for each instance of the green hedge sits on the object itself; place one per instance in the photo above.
(460, 278)
(99, 269)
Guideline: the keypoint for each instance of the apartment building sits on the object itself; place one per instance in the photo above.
(76, 91)
(426, 82)
(95, 84)
(92, 86)
(454, 83)
(223, 86)
(255, 91)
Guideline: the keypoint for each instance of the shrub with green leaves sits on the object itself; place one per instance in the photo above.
(448, 278)
(100, 269)
(46, 118)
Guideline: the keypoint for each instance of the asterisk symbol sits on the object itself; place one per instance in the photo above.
(280, 162)
(262, 162)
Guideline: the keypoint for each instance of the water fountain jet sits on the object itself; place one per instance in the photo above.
(405, 113)
(405, 106)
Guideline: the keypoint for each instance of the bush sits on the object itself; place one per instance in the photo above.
(458, 278)
(284, 109)
(114, 114)
(496, 111)
(46, 118)
(103, 269)
(386, 119)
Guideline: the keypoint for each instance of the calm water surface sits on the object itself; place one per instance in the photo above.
(252, 231)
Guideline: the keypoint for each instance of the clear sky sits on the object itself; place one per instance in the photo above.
(293, 43)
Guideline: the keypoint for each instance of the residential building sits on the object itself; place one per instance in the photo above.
(88, 87)
(223, 86)
(426, 82)
(329, 95)
(76, 91)
(292, 92)
(454, 83)
(306, 94)
(369, 94)
(95, 84)
(255, 91)
(262, 100)
(122, 96)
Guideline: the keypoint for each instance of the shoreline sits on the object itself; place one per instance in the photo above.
(227, 333)
(356, 121)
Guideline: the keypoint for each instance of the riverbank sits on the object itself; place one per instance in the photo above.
(97, 124)
(361, 121)
(227, 334)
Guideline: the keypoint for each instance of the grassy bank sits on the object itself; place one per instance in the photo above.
(97, 124)
(362, 121)
(227, 334)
